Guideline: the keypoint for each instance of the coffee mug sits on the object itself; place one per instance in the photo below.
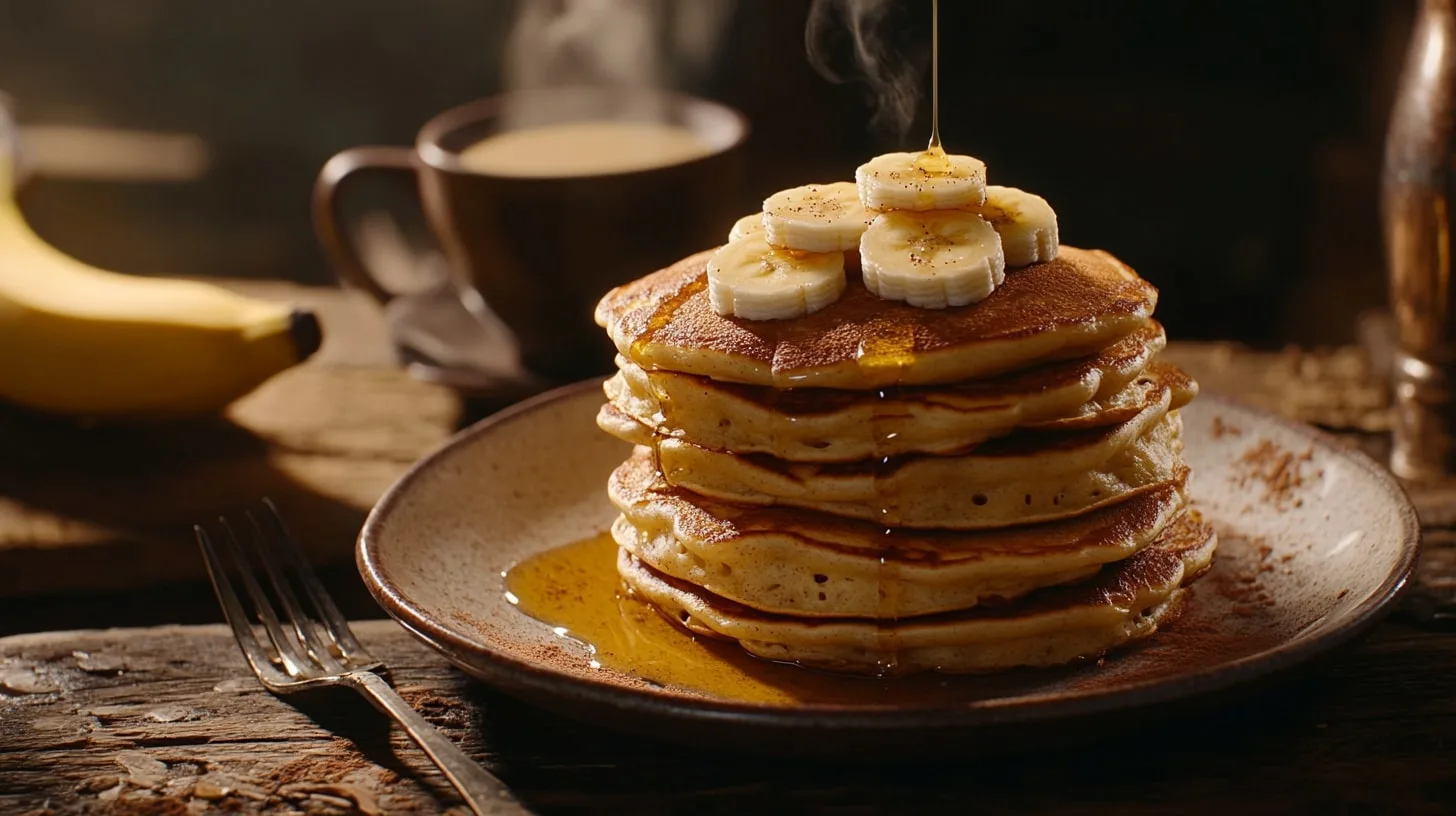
(538, 250)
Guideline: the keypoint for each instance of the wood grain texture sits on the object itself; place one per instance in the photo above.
(150, 716)
(166, 720)
(111, 507)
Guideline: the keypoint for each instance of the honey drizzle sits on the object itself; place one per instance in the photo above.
(662, 420)
(656, 322)
(663, 314)
(882, 356)
(933, 160)
(935, 147)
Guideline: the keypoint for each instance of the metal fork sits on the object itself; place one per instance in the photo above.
(313, 648)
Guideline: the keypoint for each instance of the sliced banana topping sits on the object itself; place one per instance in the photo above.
(816, 217)
(747, 225)
(750, 279)
(932, 259)
(923, 228)
(921, 182)
(1026, 223)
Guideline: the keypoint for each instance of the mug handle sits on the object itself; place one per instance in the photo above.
(328, 214)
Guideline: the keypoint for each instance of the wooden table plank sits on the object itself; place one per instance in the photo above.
(119, 717)
(111, 507)
(111, 721)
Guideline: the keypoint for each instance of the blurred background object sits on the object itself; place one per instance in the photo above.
(1230, 152)
(1415, 188)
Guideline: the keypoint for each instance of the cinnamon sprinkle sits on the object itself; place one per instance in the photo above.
(1240, 583)
(1222, 429)
(1281, 471)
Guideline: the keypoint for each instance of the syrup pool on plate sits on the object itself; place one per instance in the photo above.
(574, 589)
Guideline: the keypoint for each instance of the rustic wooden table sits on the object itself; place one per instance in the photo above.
(153, 718)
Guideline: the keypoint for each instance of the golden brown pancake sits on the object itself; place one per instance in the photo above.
(1125, 601)
(1121, 405)
(824, 425)
(1022, 478)
(1072, 306)
(796, 562)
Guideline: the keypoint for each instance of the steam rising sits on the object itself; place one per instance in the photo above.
(623, 45)
(882, 63)
(583, 42)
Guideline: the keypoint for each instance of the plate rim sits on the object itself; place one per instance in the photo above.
(520, 674)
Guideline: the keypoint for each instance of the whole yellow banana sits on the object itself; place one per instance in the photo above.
(80, 341)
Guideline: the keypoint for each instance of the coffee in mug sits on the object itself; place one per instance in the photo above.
(543, 200)
(583, 149)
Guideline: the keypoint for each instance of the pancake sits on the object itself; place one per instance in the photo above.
(1125, 601)
(957, 493)
(796, 562)
(1028, 477)
(822, 425)
(1123, 404)
(1075, 305)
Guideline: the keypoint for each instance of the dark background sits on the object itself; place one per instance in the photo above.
(1228, 151)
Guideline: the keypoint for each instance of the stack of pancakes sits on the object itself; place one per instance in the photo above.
(880, 488)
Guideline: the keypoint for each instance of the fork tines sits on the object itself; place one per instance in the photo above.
(304, 642)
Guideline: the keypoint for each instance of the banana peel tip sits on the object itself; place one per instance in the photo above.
(306, 332)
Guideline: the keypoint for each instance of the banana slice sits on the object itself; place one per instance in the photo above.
(755, 281)
(932, 259)
(816, 217)
(747, 225)
(921, 182)
(1026, 223)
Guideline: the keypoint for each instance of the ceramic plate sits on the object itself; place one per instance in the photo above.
(1316, 541)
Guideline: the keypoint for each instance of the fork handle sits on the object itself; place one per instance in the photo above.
(485, 794)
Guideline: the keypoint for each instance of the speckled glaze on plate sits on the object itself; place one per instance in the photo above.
(1316, 541)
